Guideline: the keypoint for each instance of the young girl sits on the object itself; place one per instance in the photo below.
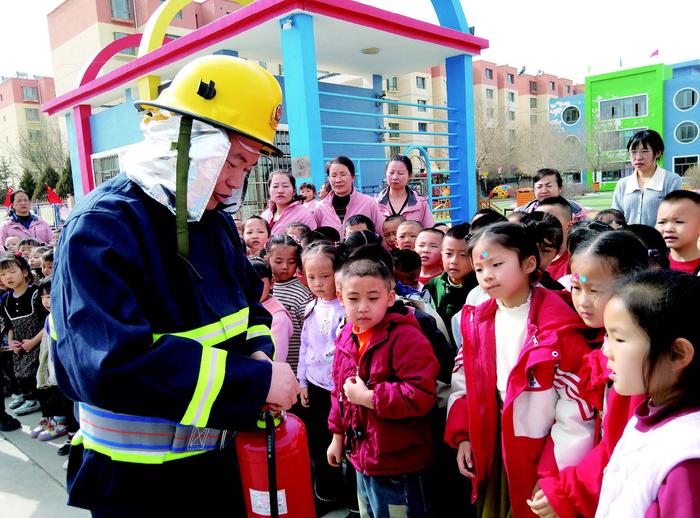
(651, 349)
(23, 320)
(315, 372)
(284, 257)
(281, 328)
(596, 265)
(284, 206)
(514, 409)
(35, 261)
(255, 235)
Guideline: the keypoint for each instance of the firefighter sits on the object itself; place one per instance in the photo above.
(157, 328)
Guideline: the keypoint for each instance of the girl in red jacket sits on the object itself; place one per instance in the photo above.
(596, 265)
(516, 413)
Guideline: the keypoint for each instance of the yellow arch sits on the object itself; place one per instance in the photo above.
(153, 35)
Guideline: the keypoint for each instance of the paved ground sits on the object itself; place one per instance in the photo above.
(32, 479)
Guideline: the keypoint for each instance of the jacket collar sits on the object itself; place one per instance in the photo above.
(656, 183)
(384, 197)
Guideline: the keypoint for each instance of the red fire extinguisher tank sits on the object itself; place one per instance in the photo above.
(294, 492)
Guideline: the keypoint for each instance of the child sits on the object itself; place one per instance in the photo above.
(449, 290)
(255, 235)
(407, 266)
(323, 317)
(35, 261)
(678, 220)
(655, 244)
(651, 351)
(597, 265)
(296, 229)
(357, 222)
(283, 254)
(23, 320)
(407, 233)
(442, 227)
(384, 374)
(613, 217)
(47, 263)
(12, 244)
(429, 248)
(308, 194)
(27, 245)
(389, 228)
(281, 327)
(547, 233)
(513, 413)
(560, 209)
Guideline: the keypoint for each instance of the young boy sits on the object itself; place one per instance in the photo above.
(357, 222)
(384, 373)
(407, 233)
(449, 290)
(389, 228)
(12, 244)
(678, 220)
(429, 248)
(560, 209)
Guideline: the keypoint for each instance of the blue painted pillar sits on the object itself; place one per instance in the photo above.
(301, 97)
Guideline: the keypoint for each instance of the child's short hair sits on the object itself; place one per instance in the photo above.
(511, 236)
(544, 228)
(256, 218)
(611, 216)
(366, 268)
(622, 251)
(485, 218)
(664, 304)
(460, 231)
(30, 241)
(516, 216)
(283, 240)
(261, 267)
(308, 185)
(48, 255)
(655, 243)
(9, 260)
(359, 219)
(298, 224)
(329, 233)
(308, 238)
(558, 201)
(431, 230)
(395, 217)
(405, 260)
(362, 238)
(44, 286)
(682, 194)
(411, 222)
(41, 249)
(374, 253)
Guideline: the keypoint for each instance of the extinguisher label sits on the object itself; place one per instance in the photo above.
(260, 502)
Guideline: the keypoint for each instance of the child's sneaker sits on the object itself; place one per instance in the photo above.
(54, 430)
(16, 401)
(28, 407)
(40, 427)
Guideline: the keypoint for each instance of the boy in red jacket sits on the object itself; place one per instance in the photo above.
(384, 372)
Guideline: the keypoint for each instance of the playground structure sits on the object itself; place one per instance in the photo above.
(320, 119)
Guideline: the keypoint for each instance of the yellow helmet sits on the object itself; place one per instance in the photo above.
(227, 92)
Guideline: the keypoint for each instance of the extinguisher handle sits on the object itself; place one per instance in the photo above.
(271, 464)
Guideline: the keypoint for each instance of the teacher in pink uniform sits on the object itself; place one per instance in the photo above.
(284, 207)
(398, 199)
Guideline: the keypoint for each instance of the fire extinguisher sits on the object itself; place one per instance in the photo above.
(275, 469)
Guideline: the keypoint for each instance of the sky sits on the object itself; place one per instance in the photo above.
(567, 39)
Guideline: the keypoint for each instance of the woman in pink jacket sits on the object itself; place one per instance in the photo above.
(284, 206)
(398, 199)
(344, 200)
(22, 223)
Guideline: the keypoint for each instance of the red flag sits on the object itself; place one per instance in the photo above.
(7, 198)
(655, 53)
(52, 196)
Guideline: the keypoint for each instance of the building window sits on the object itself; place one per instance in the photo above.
(489, 113)
(394, 150)
(31, 114)
(533, 86)
(616, 140)
(131, 51)
(624, 107)
(533, 103)
(392, 84)
(686, 132)
(395, 127)
(488, 72)
(511, 134)
(489, 93)
(420, 83)
(34, 135)
(421, 103)
(173, 37)
(121, 9)
(511, 115)
(685, 99)
(682, 163)
(533, 120)
(613, 175)
(393, 109)
(568, 89)
(570, 115)
(30, 93)
(552, 86)
(510, 78)
(511, 97)
(423, 127)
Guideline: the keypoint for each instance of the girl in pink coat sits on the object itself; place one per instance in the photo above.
(398, 199)
(284, 207)
(344, 200)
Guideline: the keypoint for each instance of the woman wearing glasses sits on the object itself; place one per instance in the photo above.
(344, 200)
(639, 195)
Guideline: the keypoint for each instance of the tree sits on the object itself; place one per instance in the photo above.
(692, 177)
(40, 148)
(496, 147)
(48, 177)
(65, 182)
(548, 146)
(28, 182)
